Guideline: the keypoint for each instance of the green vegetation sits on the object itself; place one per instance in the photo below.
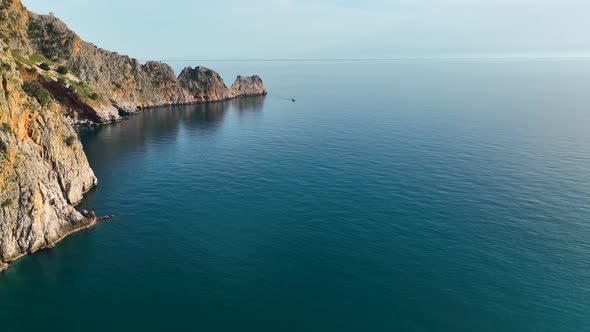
(45, 66)
(36, 90)
(20, 58)
(6, 128)
(6, 203)
(84, 90)
(32, 60)
(39, 58)
(63, 70)
(70, 140)
(62, 81)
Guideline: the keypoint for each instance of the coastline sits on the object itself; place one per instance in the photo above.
(4, 266)
(86, 222)
(88, 123)
(48, 88)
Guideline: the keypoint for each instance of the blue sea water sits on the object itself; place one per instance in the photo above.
(447, 195)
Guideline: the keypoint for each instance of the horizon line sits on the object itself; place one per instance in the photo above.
(512, 57)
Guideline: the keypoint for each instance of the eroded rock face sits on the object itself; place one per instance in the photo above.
(122, 80)
(14, 21)
(124, 84)
(205, 84)
(245, 86)
(43, 170)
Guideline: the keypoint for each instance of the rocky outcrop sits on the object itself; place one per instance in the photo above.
(14, 21)
(246, 86)
(205, 85)
(43, 170)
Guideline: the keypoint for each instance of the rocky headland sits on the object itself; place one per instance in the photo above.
(50, 80)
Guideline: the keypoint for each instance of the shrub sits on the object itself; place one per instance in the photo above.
(36, 90)
(63, 70)
(6, 128)
(31, 70)
(44, 66)
(3, 149)
(60, 98)
(62, 81)
(6, 203)
(36, 57)
(84, 90)
(70, 140)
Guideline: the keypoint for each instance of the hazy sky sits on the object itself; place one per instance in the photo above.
(271, 29)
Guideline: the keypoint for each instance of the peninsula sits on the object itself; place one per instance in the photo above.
(50, 80)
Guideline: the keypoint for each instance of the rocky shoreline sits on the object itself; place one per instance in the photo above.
(86, 224)
(50, 80)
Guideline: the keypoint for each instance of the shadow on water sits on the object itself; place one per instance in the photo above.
(106, 143)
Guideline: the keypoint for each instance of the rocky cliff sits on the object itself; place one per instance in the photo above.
(122, 82)
(43, 170)
(204, 84)
(50, 78)
(105, 85)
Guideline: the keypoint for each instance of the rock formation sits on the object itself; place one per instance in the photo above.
(124, 83)
(43, 170)
(204, 84)
(245, 86)
(50, 79)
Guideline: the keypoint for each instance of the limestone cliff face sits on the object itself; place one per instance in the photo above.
(43, 170)
(14, 21)
(245, 86)
(205, 84)
(123, 82)
(107, 84)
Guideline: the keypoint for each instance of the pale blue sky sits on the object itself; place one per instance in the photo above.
(271, 29)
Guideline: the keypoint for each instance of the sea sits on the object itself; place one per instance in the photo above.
(392, 195)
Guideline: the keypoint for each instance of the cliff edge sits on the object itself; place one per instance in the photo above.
(43, 170)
